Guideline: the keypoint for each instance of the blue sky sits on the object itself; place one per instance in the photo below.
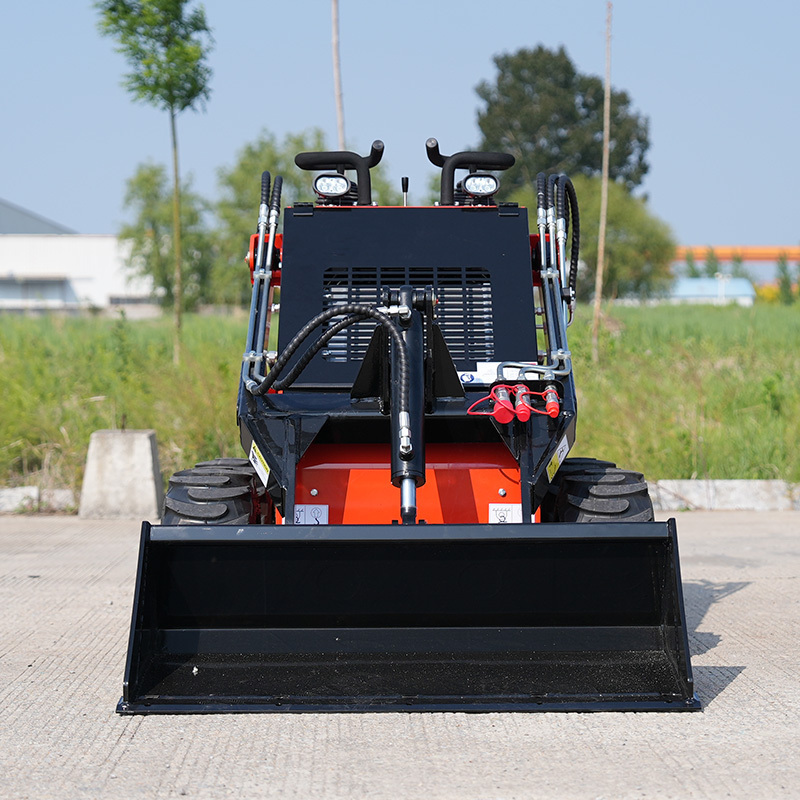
(719, 81)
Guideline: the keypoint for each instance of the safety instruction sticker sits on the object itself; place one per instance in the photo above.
(310, 514)
(558, 459)
(501, 513)
(486, 373)
(259, 463)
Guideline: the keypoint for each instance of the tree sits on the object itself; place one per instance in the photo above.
(785, 290)
(692, 270)
(711, 264)
(550, 117)
(166, 46)
(640, 247)
(240, 196)
(240, 192)
(738, 269)
(149, 197)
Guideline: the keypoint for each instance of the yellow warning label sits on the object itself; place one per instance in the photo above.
(558, 459)
(259, 463)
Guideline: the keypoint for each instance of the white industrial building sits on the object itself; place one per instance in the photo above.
(719, 291)
(47, 267)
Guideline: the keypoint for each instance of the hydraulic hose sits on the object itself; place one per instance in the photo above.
(551, 218)
(569, 198)
(305, 359)
(265, 179)
(275, 201)
(541, 189)
(541, 216)
(263, 219)
(266, 269)
(356, 313)
(552, 180)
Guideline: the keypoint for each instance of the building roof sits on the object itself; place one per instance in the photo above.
(712, 288)
(15, 219)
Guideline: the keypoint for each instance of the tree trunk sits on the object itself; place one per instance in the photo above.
(337, 72)
(601, 241)
(177, 288)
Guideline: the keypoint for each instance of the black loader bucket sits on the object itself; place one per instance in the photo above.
(572, 617)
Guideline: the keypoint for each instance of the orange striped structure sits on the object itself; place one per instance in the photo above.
(728, 253)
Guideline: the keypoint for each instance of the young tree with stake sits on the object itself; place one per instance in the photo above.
(166, 45)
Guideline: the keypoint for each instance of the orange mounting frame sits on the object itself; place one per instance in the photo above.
(465, 483)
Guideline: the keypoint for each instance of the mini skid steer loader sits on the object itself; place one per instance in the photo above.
(407, 532)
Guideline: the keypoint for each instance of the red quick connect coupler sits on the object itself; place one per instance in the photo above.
(551, 401)
(522, 405)
(503, 410)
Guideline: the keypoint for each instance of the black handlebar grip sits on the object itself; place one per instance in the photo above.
(434, 156)
(265, 179)
(471, 160)
(325, 160)
(275, 202)
(344, 159)
(375, 154)
(340, 159)
(481, 160)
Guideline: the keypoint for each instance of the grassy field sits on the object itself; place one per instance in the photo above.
(685, 392)
(63, 378)
(680, 392)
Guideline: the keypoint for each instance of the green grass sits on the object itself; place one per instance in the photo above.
(63, 378)
(684, 392)
(679, 392)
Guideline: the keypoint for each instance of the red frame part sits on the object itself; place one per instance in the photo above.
(462, 481)
(251, 257)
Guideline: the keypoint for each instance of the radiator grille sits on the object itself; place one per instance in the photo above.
(464, 310)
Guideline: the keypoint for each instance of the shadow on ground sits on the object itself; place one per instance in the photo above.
(699, 596)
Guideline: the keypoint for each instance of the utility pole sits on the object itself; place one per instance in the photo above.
(337, 72)
(177, 286)
(601, 239)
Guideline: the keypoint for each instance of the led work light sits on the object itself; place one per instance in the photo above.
(331, 185)
(481, 184)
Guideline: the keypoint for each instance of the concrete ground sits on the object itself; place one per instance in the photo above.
(65, 601)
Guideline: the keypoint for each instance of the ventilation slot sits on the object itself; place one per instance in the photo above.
(464, 312)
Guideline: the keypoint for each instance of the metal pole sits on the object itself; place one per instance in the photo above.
(337, 72)
(601, 241)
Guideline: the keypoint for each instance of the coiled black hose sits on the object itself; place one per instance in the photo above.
(356, 314)
(566, 192)
(305, 359)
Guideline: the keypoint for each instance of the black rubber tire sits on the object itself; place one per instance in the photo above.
(219, 492)
(599, 492)
(571, 466)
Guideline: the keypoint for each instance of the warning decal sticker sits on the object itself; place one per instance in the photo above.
(558, 459)
(307, 514)
(258, 462)
(503, 513)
